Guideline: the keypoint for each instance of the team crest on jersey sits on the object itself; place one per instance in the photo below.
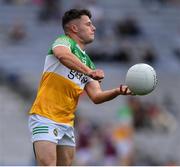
(55, 131)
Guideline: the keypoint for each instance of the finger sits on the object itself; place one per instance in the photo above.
(126, 91)
(97, 78)
(121, 89)
(129, 92)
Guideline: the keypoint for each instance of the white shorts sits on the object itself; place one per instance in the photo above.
(42, 128)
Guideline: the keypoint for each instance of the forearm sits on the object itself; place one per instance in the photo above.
(98, 96)
(74, 63)
(107, 95)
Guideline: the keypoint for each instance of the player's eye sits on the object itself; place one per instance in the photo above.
(89, 24)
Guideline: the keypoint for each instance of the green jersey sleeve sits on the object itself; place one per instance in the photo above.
(62, 41)
(89, 63)
(92, 66)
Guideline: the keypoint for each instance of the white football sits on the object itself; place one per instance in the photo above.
(141, 79)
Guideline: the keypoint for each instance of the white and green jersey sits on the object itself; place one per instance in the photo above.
(60, 86)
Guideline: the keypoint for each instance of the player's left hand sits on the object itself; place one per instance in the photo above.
(124, 90)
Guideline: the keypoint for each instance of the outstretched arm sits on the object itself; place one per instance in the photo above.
(98, 96)
(71, 61)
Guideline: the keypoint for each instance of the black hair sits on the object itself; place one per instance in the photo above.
(74, 14)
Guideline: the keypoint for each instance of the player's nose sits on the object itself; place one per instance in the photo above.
(93, 28)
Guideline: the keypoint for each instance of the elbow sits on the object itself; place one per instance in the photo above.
(97, 98)
(97, 101)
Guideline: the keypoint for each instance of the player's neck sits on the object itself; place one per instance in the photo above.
(78, 41)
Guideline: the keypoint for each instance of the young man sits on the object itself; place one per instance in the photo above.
(67, 72)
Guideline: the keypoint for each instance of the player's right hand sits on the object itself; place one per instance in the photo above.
(96, 74)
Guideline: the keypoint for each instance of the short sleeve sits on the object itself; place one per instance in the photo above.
(62, 41)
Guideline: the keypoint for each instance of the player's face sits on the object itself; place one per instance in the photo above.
(86, 29)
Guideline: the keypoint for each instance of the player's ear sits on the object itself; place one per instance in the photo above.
(74, 28)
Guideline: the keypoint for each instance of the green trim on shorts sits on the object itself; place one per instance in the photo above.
(36, 130)
(40, 129)
(40, 132)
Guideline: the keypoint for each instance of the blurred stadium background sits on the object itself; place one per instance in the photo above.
(126, 131)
